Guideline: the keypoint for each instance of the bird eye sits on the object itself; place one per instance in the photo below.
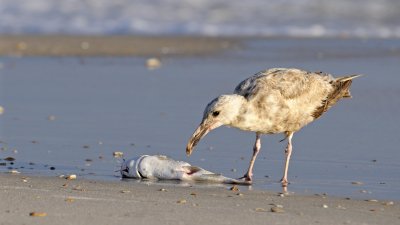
(215, 113)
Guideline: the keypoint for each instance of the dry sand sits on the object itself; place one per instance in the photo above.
(62, 201)
(111, 45)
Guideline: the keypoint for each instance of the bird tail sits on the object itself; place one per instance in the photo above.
(341, 89)
(346, 81)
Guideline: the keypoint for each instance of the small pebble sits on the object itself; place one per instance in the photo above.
(69, 199)
(14, 171)
(125, 191)
(239, 194)
(276, 209)
(325, 206)
(341, 207)
(118, 154)
(38, 214)
(10, 159)
(193, 194)
(260, 210)
(234, 188)
(371, 200)
(71, 177)
(52, 168)
(153, 63)
(163, 189)
(86, 146)
(182, 201)
(388, 203)
(1, 110)
(357, 183)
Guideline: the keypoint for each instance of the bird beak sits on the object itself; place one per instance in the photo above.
(199, 133)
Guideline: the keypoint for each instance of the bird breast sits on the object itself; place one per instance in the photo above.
(272, 113)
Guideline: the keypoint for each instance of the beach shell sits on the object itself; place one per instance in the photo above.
(234, 188)
(118, 154)
(260, 210)
(71, 177)
(276, 209)
(181, 201)
(69, 199)
(153, 63)
(38, 214)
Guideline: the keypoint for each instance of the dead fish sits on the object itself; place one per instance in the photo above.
(164, 168)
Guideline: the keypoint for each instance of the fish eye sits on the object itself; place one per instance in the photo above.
(215, 113)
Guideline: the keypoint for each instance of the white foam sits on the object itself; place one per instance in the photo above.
(309, 18)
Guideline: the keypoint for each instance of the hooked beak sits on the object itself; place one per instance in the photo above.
(199, 133)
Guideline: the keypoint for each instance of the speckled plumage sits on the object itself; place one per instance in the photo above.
(281, 100)
(278, 100)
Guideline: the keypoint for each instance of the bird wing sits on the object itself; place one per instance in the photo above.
(289, 83)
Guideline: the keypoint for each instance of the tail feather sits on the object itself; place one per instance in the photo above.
(347, 93)
(341, 89)
(349, 77)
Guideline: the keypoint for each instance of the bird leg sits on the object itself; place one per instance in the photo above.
(288, 153)
(256, 148)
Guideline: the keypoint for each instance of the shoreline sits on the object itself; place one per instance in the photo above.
(84, 201)
(65, 45)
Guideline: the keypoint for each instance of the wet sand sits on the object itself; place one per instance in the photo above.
(71, 113)
(112, 45)
(98, 202)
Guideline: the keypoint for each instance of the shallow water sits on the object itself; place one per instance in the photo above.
(103, 104)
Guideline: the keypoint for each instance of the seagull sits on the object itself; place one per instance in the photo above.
(278, 100)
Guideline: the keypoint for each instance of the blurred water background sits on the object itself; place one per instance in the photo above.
(294, 18)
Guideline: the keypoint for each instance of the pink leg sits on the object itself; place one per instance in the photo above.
(288, 153)
(256, 148)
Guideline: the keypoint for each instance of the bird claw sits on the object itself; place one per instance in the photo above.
(246, 178)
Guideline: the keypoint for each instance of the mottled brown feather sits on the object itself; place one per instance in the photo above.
(340, 90)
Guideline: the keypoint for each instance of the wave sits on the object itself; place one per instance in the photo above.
(293, 18)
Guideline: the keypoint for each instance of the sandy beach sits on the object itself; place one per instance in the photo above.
(98, 202)
(71, 101)
(62, 45)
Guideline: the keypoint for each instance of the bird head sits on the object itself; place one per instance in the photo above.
(220, 111)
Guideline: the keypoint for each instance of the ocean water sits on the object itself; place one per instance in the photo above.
(104, 104)
(295, 18)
